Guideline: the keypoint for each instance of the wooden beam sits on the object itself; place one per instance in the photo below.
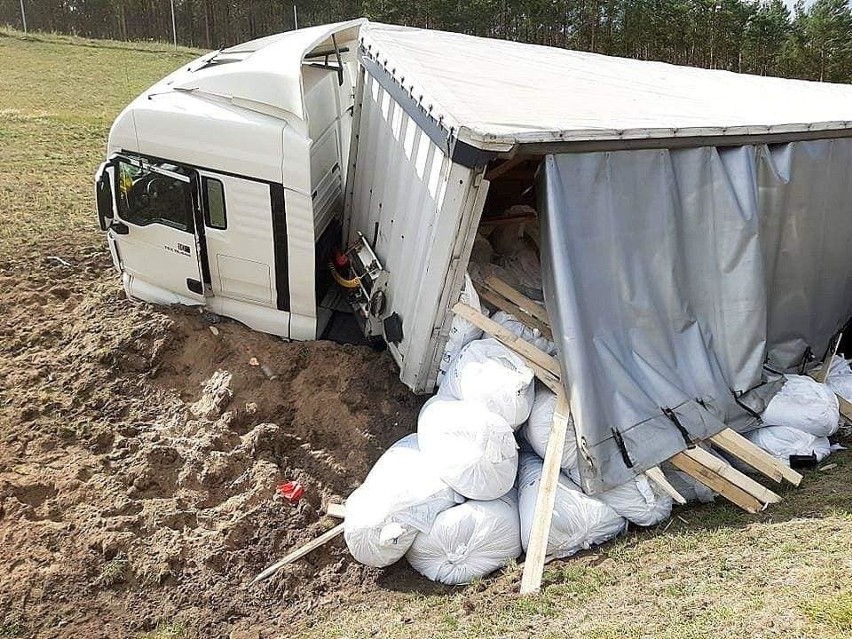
(724, 469)
(526, 304)
(337, 511)
(546, 499)
(514, 310)
(752, 455)
(716, 482)
(545, 367)
(845, 408)
(657, 476)
(505, 167)
(822, 375)
(300, 552)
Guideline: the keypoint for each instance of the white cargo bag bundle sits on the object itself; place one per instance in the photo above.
(805, 404)
(472, 449)
(639, 502)
(840, 378)
(579, 520)
(461, 330)
(783, 441)
(401, 496)
(689, 488)
(531, 335)
(487, 372)
(537, 428)
(469, 541)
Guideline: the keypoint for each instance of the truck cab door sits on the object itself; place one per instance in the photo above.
(153, 232)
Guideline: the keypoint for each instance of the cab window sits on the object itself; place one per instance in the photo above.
(214, 203)
(146, 197)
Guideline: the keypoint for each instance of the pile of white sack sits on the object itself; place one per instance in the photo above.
(802, 416)
(457, 498)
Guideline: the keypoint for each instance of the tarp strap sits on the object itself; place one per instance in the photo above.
(619, 440)
(668, 412)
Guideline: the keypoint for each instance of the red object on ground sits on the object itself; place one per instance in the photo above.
(292, 491)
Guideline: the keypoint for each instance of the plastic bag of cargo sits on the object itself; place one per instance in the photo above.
(806, 405)
(468, 541)
(840, 378)
(689, 488)
(638, 502)
(783, 441)
(401, 496)
(487, 372)
(579, 520)
(531, 335)
(472, 449)
(461, 330)
(537, 429)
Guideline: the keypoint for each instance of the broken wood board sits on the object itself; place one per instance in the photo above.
(845, 408)
(752, 455)
(300, 552)
(337, 511)
(514, 310)
(822, 374)
(527, 305)
(716, 482)
(724, 469)
(657, 476)
(545, 367)
(546, 499)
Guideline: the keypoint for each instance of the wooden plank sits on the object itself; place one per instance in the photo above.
(505, 167)
(822, 375)
(752, 455)
(546, 499)
(724, 469)
(657, 476)
(514, 310)
(715, 482)
(845, 408)
(545, 367)
(300, 552)
(526, 304)
(335, 510)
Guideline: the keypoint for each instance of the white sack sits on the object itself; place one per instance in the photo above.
(805, 404)
(461, 330)
(401, 496)
(469, 447)
(639, 502)
(783, 441)
(840, 378)
(531, 335)
(469, 541)
(487, 372)
(579, 520)
(689, 488)
(537, 428)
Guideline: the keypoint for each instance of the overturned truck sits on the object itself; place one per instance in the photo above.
(693, 225)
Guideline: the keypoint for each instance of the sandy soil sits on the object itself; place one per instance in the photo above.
(140, 455)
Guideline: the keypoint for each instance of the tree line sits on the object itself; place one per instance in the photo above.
(750, 36)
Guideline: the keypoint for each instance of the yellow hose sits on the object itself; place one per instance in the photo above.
(355, 282)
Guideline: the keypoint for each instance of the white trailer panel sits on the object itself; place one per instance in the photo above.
(419, 211)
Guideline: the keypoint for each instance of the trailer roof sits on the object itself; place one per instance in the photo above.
(495, 95)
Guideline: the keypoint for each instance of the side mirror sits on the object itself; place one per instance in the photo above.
(103, 195)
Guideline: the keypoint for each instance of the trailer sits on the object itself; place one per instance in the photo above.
(693, 224)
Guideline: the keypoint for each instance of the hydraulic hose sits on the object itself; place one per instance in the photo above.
(355, 282)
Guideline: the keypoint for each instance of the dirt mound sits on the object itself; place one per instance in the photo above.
(141, 453)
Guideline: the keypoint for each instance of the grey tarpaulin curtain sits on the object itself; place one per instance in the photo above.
(671, 277)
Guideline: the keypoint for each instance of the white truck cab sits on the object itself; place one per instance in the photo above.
(224, 181)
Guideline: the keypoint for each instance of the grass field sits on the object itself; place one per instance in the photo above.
(712, 572)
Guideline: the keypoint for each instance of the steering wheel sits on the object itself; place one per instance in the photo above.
(155, 187)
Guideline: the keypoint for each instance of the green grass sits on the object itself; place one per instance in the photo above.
(58, 97)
